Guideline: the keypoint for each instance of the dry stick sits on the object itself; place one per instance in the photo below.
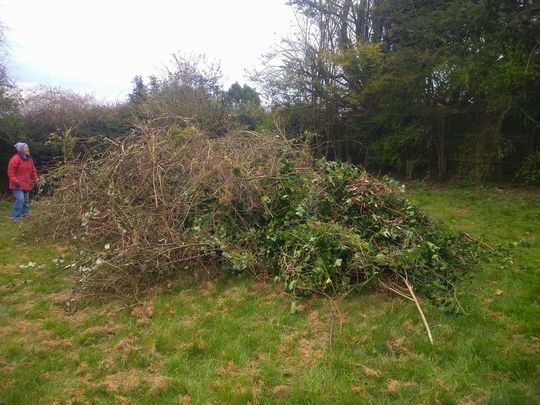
(152, 150)
(394, 290)
(334, 304)
(409, 286)
(331, 333)
(479, 241)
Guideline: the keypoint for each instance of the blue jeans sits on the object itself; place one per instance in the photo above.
(20, 206)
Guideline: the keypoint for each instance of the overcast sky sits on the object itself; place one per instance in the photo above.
(98, 46)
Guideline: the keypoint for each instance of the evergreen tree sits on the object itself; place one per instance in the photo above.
(139, 92)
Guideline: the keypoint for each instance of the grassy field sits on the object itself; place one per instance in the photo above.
(234, 340)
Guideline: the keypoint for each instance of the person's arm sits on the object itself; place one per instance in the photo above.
(12, 169)
(34, 173)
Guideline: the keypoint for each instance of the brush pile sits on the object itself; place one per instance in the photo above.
(171, 201)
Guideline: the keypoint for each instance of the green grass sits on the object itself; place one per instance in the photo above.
(234, 341)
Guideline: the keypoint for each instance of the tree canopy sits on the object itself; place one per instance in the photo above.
(419, 87)
(427, 89)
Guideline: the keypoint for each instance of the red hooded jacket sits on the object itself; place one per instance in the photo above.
(22, 173)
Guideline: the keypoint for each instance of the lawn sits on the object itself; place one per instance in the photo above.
(233, 340)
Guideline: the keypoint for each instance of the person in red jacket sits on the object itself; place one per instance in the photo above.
(22, 176)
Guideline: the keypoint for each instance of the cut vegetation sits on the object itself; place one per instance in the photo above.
(172, 202)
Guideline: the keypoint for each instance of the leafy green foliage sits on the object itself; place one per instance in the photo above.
(336, 228)
(530, 170)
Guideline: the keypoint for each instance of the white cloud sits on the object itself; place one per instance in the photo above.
(100, 45)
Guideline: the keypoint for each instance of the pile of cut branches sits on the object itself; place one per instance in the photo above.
(171, 201)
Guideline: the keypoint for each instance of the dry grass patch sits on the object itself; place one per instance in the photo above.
(143, 312)
(396, 345)
(370, 372)
(394, 386)
(281, 391)
(123, 381)
(131, 380)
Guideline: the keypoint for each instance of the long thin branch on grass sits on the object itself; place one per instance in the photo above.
(409, 286)
(479, 241)
(410, 297)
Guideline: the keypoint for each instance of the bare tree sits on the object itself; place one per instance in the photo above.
(55, 109)
(190, 88)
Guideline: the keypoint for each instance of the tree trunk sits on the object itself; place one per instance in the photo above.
(440, 141)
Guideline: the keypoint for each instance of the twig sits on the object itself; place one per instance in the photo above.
(409, 286)
(394, 290)
(479, 241)
(331, 332)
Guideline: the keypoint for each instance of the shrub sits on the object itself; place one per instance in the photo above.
(529, 172)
